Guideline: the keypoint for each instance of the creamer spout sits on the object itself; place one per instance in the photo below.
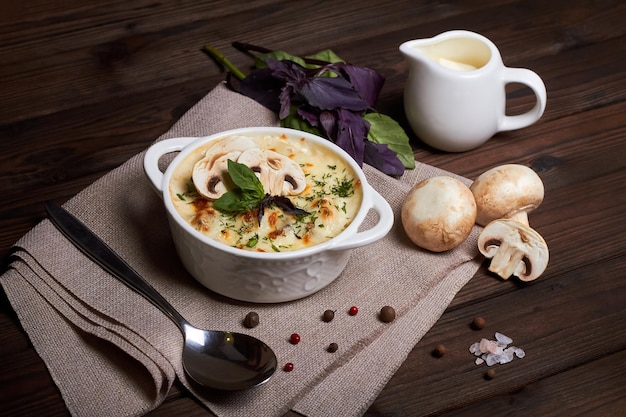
(412, 51)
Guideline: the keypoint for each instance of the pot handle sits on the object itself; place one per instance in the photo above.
(155, 153)
(379, 230)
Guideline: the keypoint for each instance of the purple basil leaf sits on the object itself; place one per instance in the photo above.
(365, 81)
(285, 98)
(287, 71)
(309, 114)
(282, 202)
(382, 158)
(328, 122)
(262, 87)
(285, 204)
(331, 93)
(352, 130)
(264, 203)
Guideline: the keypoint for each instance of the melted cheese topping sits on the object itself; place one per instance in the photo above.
(332, 197)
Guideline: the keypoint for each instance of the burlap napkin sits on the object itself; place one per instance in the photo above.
(112, 353)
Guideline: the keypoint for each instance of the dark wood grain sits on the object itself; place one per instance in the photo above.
(83, 87)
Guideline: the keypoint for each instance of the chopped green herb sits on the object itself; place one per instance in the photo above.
(190, 192)
(343, 188)
(253, 241)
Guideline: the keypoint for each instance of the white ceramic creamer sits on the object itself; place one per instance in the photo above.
(455, 98)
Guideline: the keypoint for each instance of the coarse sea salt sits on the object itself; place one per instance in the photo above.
(497, 351)
(503, 339)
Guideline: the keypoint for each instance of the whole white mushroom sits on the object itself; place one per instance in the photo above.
(439, 213)
(507, 191)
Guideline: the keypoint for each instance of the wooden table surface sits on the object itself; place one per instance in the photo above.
(86, 85)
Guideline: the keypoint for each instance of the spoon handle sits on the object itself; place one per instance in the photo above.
(99, 252)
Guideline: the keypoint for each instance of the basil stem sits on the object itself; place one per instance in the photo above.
(224, 61)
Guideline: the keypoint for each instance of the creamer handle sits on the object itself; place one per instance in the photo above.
(155, 153)
(379, 230)
(532, 80)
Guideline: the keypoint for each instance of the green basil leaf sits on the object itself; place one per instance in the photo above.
(245, 198)
(233, 201)
(385, 130)
(326, 55)
(228, 202)
(278, 55)
(244, 178)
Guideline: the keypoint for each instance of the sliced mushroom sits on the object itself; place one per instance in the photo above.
(279, 174)
(229, 144)
(209, 173)
(514, 249)
(210, 178)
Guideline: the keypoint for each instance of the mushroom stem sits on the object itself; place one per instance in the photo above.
(520, 217)
(514, 249)
(504, 196)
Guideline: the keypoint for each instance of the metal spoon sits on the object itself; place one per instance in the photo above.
(214, 359)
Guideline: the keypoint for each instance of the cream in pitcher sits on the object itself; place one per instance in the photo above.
(455, 98)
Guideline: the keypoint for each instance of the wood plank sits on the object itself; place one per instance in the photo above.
(587, 302)
(110, 77)
(595, 388)
(129, 51)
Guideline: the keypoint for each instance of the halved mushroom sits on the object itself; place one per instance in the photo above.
(278, 174)
(514, 249)
(209, 173)
(504, 196)
(229, 144)
(210, 178)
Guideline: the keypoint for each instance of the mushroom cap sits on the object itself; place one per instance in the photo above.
(514, 249)
(209, 173)
(279, 174)
(506, 190)
(438, 213)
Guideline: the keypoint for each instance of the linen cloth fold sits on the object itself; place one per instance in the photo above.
(111, 352)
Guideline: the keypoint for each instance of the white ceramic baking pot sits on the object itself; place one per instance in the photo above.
(263, 277)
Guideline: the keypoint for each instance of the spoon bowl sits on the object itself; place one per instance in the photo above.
(214, 359)
(226, 360)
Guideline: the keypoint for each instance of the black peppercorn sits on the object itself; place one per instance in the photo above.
(328, 315)
(478, 323)
(387, 314)
(251, 320)
(439, 351)
(332, 347)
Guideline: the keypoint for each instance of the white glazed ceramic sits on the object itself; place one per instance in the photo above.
(255, 276)
(455, 98)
